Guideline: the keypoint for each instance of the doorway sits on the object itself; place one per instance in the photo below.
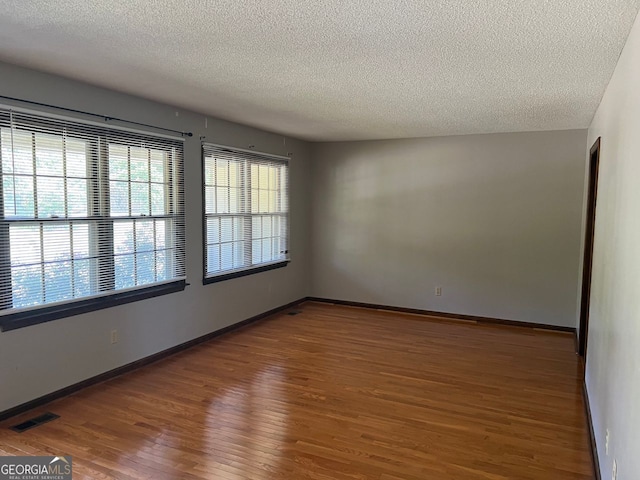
(587, 264)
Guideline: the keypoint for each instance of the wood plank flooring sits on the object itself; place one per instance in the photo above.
(333, 393)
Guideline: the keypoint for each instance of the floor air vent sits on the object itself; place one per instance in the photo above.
(34, 422)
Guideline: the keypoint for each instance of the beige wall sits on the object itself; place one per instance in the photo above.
(613, 352)
(43, 358)
(492, 219)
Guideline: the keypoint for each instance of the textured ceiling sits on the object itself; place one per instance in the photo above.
(337, 69)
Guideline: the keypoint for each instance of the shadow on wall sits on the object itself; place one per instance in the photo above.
(400, 227)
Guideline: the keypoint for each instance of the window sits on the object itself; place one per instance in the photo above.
(91, 216)
(246, 212)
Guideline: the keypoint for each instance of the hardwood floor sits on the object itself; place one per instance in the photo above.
(333, 393)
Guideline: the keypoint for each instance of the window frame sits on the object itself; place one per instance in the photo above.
(256, 268)
(98, 218)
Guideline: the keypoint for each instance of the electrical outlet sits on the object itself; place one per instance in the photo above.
(438, 291)
(606, 442)
(614, 473)
(114, 336)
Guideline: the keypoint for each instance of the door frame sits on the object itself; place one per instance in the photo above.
(589, 231)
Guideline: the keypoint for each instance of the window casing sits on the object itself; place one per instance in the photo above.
(246, 212)
(87, 212)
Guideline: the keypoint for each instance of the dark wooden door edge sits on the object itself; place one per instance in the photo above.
(452, 316)
(63, 392)
(592, 435)
(587, 261)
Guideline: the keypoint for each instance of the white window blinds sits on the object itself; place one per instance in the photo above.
(86, 211)
(246, 211)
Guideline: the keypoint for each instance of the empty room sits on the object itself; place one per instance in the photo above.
(320, 240)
